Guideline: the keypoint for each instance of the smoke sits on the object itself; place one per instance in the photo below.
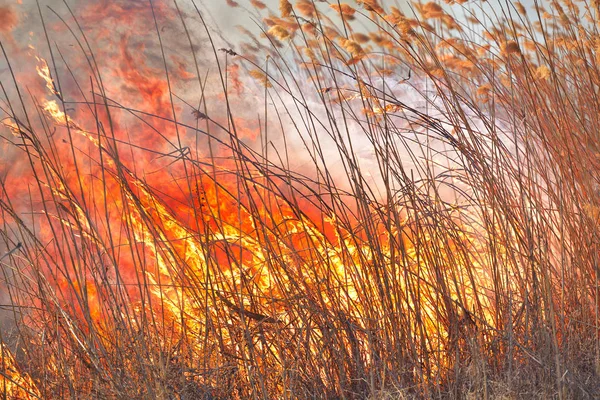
(125, 55)
(118, 60)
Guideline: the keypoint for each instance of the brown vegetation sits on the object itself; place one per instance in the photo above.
(414, 213)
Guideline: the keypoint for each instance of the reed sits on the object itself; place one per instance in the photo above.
(358, 202)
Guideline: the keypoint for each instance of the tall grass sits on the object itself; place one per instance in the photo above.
(381, 205)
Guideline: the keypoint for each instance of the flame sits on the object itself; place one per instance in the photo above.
(12, 126)
(43, 71)
(232, 228)
(13, 383)
(214, 241)
(236, 248)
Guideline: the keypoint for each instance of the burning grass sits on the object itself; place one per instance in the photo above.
(361, 203)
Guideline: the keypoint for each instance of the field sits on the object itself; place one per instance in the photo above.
(362, 200)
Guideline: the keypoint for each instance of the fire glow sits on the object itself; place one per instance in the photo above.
(353, 236)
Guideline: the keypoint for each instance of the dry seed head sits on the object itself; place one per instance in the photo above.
(432, 6)
(505, 81)
(290, 24)
(537, 25)
(464, 49)
(517, 26)
(426, 26)
(309, 52)
(520, 8)
(484, 89)
(306, 8)
(484, 49)
(279, 32)
(529, 45)
(360, 37)
(381, 41)
(352, 47)
(274, 41)
(446, 43)
(390, 60)
(232, 3)
(432, 10)
(437, 72)
(582, 32)
(330, 32)
(258, 4)
(592, 212)
(261, 77)
(466, 65)
(377, 39)
(589, 18)
(269, 21)
(396, 11)
(564, 18)
(510, 47)
(371, 5)
(572, 6)
(450, 22)
(395, 16)
(392, 19)
(450, 61)
(309, 28)
(405, 27)
(556, 5)
(542, 72)
(285, 8)
(313, 44)
(343, 9)
(566, 43)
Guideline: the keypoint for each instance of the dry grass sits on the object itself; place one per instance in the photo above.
(413, 215)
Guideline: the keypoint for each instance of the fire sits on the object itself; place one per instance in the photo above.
(44, 72)
(54, 111)
(184, 231)
(240, 241)
(12, 126)
(13, 383)
(230, 240)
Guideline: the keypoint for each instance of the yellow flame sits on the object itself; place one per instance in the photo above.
(12, 126)
(43, 71)
(13, 383)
